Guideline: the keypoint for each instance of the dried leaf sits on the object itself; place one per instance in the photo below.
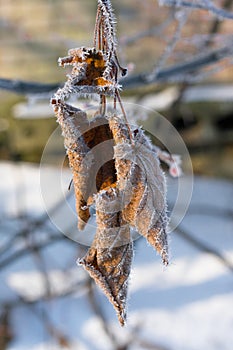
(143, 186)
(123, 179)
(90, 73)
(80, 138)
(72, 121)
(108, 261)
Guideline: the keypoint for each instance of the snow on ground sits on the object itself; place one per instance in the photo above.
(187, 306)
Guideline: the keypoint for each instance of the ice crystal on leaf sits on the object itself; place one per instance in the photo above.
(124, 179)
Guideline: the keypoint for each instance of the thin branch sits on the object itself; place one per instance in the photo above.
(27, 87)
(204, 5)
(60, 337)
(180, 69)
(216, 24)
(81, 286)
(154, 31)
(132, 81)
(181, 19)
(32, 226)
(24, 251)
(204, 247)
(192, 78)
(96, 307)
(207, 42)
(39, 262)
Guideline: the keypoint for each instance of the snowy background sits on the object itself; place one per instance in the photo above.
(48, 302)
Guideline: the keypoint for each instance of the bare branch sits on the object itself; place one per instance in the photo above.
(181, 17)
(98, 311)
(32, 226)
(154, 31)
(180, 69)
(133, 81)
(27, 87)
(207, 41)
(204, 247)
(24, 251)
(204, 5)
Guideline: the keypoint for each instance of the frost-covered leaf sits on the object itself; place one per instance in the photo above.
(72, 120)
(109, 259)
(142, 184)
(80, 138)
(90, 73)
(123, 179)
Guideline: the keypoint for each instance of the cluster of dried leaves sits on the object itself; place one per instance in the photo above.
(128, 190)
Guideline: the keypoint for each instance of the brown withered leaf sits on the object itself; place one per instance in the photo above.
(80, 138)
(72, 121)
(142, 184)
(114, 167)
(98, 137)
(109, 259)
(90, 72)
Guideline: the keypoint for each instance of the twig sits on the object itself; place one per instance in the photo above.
(181, 18)
(27, 87)
(136, 80)
(154, 31)
(22, 301)
(39, 262)
(99, 313)
(204, 247)
(204, 5)
(216, 24)
(53, 331)
(24, 251)
(205, 43)
(180, 69)
(33, 225)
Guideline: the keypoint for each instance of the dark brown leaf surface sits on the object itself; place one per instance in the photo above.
(109, 259)
(142, 184)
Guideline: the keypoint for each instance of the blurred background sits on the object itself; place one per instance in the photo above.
(180, 64)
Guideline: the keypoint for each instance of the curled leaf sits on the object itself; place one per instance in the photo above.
(81, 137)
(72, 121)
(142, 184)
(108, 261)
(90, 73)
(114, 167)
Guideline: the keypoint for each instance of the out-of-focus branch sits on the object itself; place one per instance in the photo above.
(217, 23)
(181, 17)
(207, 42)
(32, 226)
(204, 247)
(60, 337)
(39, 262)
(10, 259)
(154, 31)
(203, 5)
(132, 81)
(179, 70)
(96, 307)
(27, 87)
